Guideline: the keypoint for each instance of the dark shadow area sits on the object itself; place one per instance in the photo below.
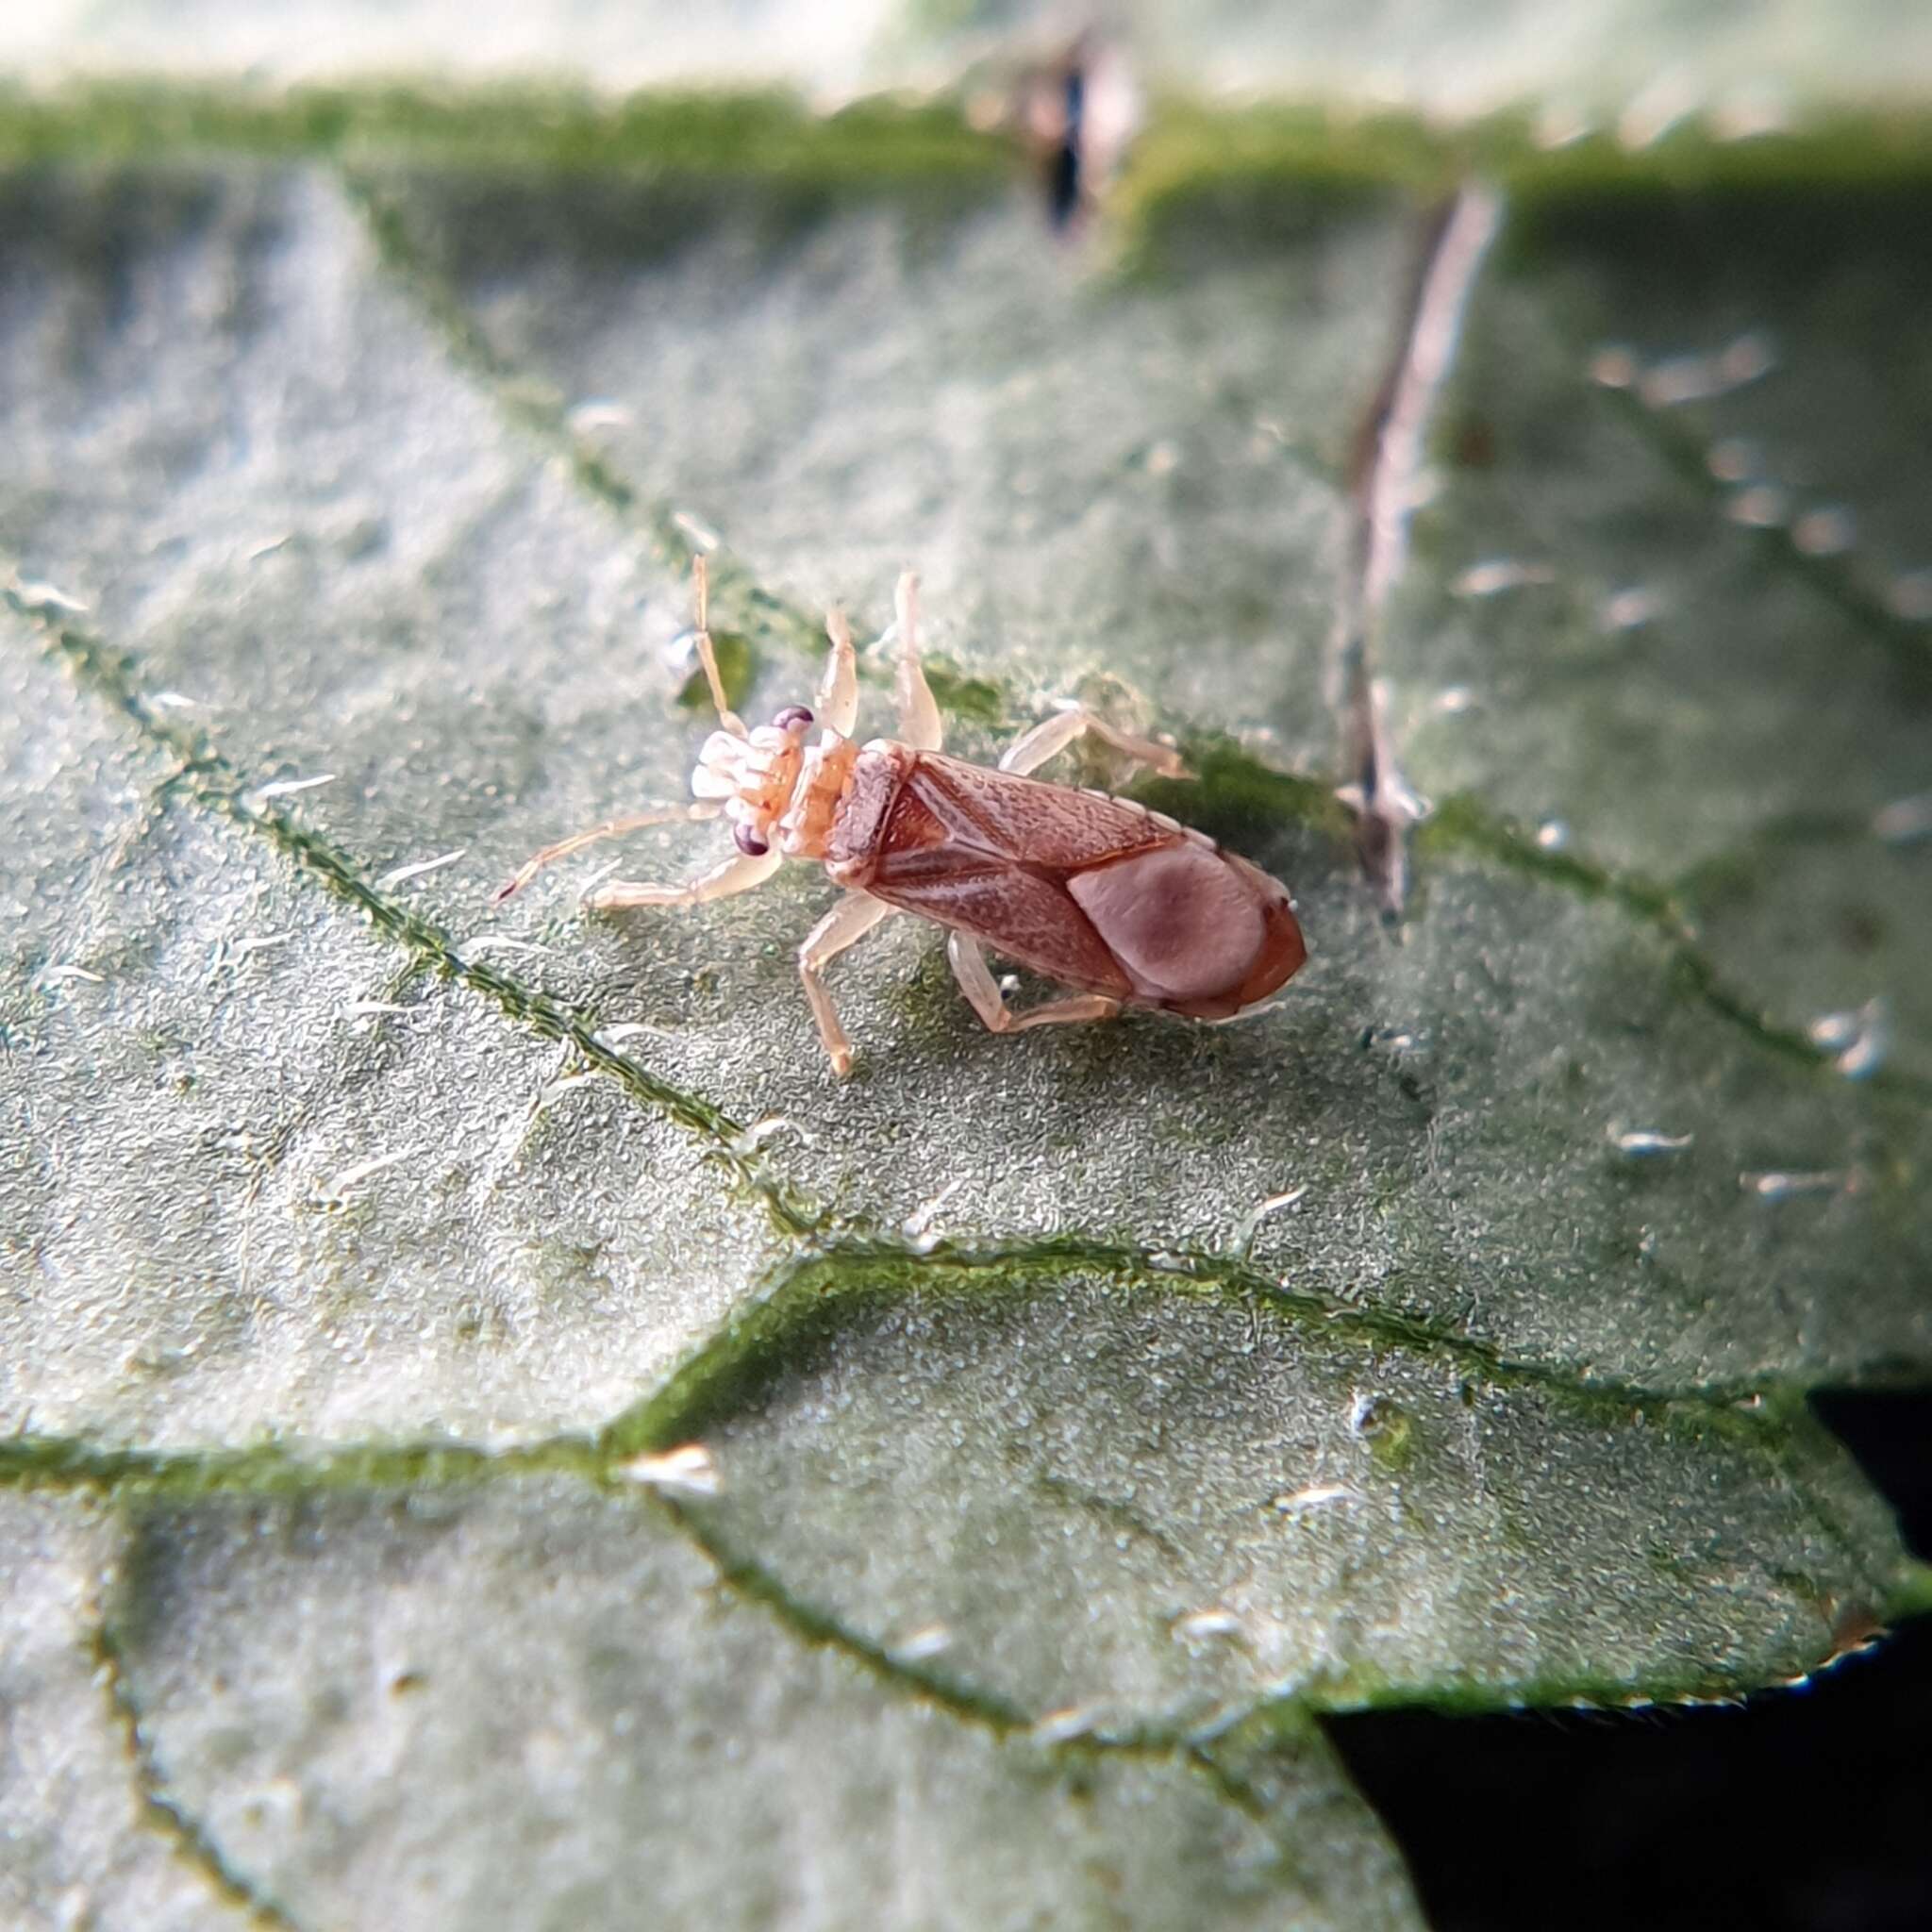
(1807, 1810)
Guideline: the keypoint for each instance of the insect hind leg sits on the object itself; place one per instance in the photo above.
(1051, 736)
(966, 958)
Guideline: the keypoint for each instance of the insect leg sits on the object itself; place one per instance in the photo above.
(737, 874)
(837, 705)
(968, 960)
(846, 925)
(1032, 749)
(611, 828)
(918, 716)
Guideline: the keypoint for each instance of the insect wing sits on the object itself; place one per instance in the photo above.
(975, 808)
(1093, 892)
(990, 853)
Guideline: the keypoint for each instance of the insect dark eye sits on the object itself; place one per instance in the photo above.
(793, 718)
(749, 843)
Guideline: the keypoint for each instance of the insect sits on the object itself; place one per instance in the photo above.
(1116, 902)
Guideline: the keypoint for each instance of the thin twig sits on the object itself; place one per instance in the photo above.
(1383, 477)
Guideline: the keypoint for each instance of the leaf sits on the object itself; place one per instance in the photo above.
(497, 1430)
(1142, 1505)
(620, 1730)
(80, 1835)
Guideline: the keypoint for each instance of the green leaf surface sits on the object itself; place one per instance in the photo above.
(604, 1726)
(1143, 1504)
(495, 1427)
(85, 1836)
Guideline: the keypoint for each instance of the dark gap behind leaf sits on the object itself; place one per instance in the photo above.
(1801, 1811)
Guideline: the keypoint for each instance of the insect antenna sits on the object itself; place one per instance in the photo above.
(611, 828)
(701, 585)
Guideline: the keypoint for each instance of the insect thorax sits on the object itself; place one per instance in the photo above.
(808, 827)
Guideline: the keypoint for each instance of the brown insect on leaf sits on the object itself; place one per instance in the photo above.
(1116, 902)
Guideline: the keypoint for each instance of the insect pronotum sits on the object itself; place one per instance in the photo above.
(1120, 905)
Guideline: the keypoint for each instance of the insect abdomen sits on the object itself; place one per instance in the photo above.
(1193, 930)
(1092, 892)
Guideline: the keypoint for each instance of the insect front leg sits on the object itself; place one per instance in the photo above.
(844, 925)
(968, 960)
(739, 874)
(836, 707)
(611, 828)
(1032, 749)
(918, 716)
